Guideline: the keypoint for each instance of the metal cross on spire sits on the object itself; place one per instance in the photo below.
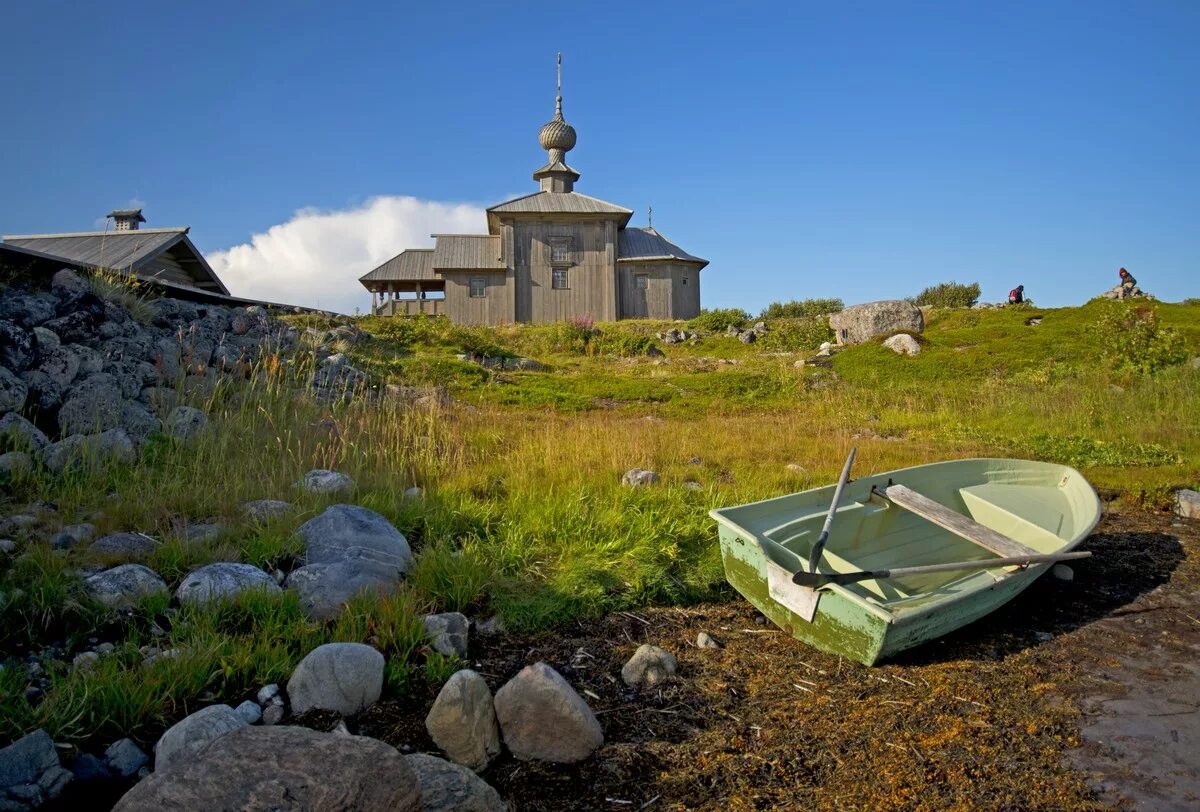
(650, 217)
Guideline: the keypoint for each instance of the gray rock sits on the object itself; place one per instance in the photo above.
(20, 432)
(462, 721)
(54, 781)
(126, 545)
(7, 547)
(68, 284)
(648, 666)
(202, 532)
(447, 787)
(863, 322)
(28, 310)
(282, 768)
(89, 768)
(523, 364)
(124, 585)
(492, 626)
(24, 761)
(60, 364)
(1187, 503)
(272, 714)
(44, 395)
(184, 739)
(263, 510)
(124, 758)
(1062, 572)
(184, 422)
(14, 464)
(46, 338)
(352, 532)
(16, 346)
(249, 711)
(541, 717)
(342, 677)
(85, 660)
(267, 694)
(223, 581)
(73, 535)
(324, 589)
(112, 445)
(638, 477)
(415, 492)
(323, 481)
(706, 640)
(93, 406)
(748, 337)
(903, 344)
(90, 361)
(447, 633)
(138, 422)
(13, 391)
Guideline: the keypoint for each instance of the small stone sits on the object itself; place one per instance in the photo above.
(342, 677)
(124, 758)
(462, 721)
(202, 532)
(7, 546)
(272, 714)
(706, 640)
(124, 545)
(794, 468)
(692, 485)
(85, 660)
(250, 712)
(447, 633)
(1062, 572)
(414, 493)
(799, 364)
(322, 481)
(648, 666)
(543, 718)
(190, 734)
(105, 648)
(639, 477)
(54, 781)
(267, 693)
(263, 510)
(695, 461)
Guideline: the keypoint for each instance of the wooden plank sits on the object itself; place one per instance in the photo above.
(957, 523)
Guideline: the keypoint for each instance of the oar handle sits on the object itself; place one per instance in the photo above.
(814, 557)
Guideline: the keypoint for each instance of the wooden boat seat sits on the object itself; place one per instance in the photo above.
(956, 523)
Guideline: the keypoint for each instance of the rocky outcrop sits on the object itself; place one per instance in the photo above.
(542, 718)
(342, 677)
(860, 323)
(282, 768)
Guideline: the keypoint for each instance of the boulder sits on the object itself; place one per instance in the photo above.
(447, 787)
(184, 422)
(113, 445)
(323, 481)
(67, 285)
(638, 477)
(342, 677)
(860, 323)
(903, 344)
(44, 395)
(60, 364)
(223, 581)
(17, 346)
(462, 721)
(20, 432)
(263, 510)
(542, 718)
(124, 585)
(1187, 503)
(28, 310)
(138, 422)
(447, 633)
(280, 768)
(24, 763)
(351, 532)
(93, 406)
(184, 739)
(125, 545)
(124, 758)
(324, 589)
(648, 666)
(13, 391)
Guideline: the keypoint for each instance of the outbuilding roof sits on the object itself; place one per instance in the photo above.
(467, 252)
(410, 265)
(646, 244)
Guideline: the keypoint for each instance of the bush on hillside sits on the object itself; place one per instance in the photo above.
(948, 294)
(807, 308)
(794, 335)
(717, 319)
(1134, 340)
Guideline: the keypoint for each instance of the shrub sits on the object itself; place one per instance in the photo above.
(614, 341)
(792, 335)
(807, 308)
(718, 319)
(1134, 340)
(948, 294)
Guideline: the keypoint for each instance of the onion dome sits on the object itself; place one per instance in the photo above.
(557, 133)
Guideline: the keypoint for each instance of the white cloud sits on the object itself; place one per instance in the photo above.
(316, 257)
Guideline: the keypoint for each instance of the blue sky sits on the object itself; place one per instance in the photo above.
(857, 150)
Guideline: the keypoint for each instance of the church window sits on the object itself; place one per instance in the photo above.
(562, 249)
(558, 279)
(478, 287)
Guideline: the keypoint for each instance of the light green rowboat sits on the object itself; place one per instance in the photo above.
(900, 519)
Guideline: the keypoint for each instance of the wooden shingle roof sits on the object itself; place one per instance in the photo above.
(467, 252)
(410, 265)
(560, 203)
(646, 244)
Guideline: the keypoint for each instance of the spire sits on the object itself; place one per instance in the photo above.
(557, 137)
(650, 217)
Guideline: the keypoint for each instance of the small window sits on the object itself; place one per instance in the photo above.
(478, 287)
(685, 280)
(562, 249)
(642, 281)
(558, 279)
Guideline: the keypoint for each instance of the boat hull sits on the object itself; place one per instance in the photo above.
(869, 628)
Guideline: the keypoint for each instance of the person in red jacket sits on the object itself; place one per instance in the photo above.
(1016, 295)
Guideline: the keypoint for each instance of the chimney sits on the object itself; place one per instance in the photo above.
(126, 219)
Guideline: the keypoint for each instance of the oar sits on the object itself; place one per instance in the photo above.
(814, 557)
(816, 579)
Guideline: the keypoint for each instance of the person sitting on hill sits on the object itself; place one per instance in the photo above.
(1016, 295)
(1127, 281)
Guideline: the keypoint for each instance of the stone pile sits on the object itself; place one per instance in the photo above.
(676, 336)
(1121, 292)
(747, 336)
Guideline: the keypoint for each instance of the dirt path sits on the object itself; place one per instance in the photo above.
(989, 717)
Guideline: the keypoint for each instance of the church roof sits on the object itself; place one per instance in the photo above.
(560, 203)
(408, 266)
(645, 244)
(468, 252)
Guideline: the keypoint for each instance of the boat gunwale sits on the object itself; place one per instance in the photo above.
(966, 588)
